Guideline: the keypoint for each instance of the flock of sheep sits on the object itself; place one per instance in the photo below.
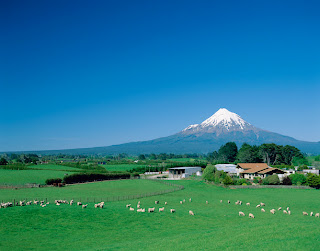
(152, 209)
(272, 211)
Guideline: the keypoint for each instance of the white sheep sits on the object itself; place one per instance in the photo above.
(273, 211)
(262, 204)
(156, 202)
(262, 210)
(311, 214)
(317, 215)
(285, 212)
(161, 209)
(289, 212)
(128, 205)
(79, 203)
(190, 200)
(248, 204)
(191, 212)
(258, 206)
(151, 210)
(251, 215)
(279, 208)
(172, 210)
(228, 201)
(131, 209)
(207, 202)
(305, 213)
(241, 214)
(166, 203)
(220, 201)
(181, 202)
(84, 206)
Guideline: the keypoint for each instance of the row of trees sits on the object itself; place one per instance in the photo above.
(271, 154)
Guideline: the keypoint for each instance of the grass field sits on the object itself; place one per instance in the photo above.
(214, 226)
(20, 177)
(122, 167)
(54, 167)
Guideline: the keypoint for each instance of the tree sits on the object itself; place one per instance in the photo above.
(286, 181)
(313, 180)
(249, 154)
(269, 153)
(298, 179)
(208, 173)
(228, 152)
(3, 161)
(288, 152)
(142, 157)
(227, 180)
(271, 180)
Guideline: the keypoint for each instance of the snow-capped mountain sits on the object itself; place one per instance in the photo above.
(220, 122)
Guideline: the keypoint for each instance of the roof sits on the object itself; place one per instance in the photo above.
(185, 167)
(252, 165)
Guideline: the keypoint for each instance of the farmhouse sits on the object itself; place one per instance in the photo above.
(252, 170)
(184, 172)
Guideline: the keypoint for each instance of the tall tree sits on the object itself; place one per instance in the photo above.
(249, 154)
(228, 152)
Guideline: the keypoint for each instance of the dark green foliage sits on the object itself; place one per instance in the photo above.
(52, 181)
(299, 161)
(228, 152)
(15, 166)
(3, 161)
(227, 180)
(249, 154)
(257, 180)
(298, 179)
(313, 180)
(142, 157)
(87, 177)
(271, 180)
(286, 181)
(208, 173)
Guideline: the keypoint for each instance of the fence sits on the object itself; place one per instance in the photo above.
(271, 186)
(19, 186)
(174, 188)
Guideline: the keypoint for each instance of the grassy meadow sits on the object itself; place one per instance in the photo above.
(215, 225)
(121, 167)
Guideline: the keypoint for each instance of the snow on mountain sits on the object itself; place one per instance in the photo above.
(222, 120)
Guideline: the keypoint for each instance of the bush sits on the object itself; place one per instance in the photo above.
(298, 179)
(87, 177)
(52, 181)
(271, 180)
(286, 181)
(256, 180)
(208, 173)
(227, 180)
(313, 180)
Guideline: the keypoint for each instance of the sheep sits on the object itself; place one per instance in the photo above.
(84, 206)
(288, 208)
(241, 214)
(279, 208)
(44, 205)
(79, 203)
(251, 215)
(191, 213)
(172, 210)
(228, 201)
(289, 212)
(262, 210)
(258, 206)
(156, 202)
(190, 200)
(262, 204)
(317, 215)
(181, 202)
(138, 206)
(237, 202)
(58, 204)
(131, 209)
(311, 214)
(151, 210)
(248, 204)
(207, 202)
(184, 200)
(166, 203)
(128, 205)
(305, 213)
(141, 210)
(285, 212)
(161, 209)
(273, 211)
(36, 202)
(220, 201)
(240, 202)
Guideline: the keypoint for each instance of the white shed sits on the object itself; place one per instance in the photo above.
(184, 172)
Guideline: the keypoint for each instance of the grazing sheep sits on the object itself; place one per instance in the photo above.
(84, 206)
(184, 200)
(131, 209)
(289, 212)
(228, 201)
(220, 201)
(240, 202)
(161, 209)
(273, 211)
(241, 214)
(248, 204)
(317, 215)
(262, 204)
(141, 210)
(44, 205)
(285, 212)
(262, 210)
(237, 202)
(128, 205)
(166, 203)
(279, 208)
(288, 208)
(79, 203)
(181, 202)
(191, 213)
(311, 214)
(172, 210)
(305, 213)
(58, 204)
(156, 202)
(251, 215)
(258, 206)
(138, 206)
(151, 210)
(190, 200)
(207, 202)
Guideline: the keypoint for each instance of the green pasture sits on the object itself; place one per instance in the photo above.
(121, 167)
(98, 190)
(54, 167)
(215, 226)
(20, 177)
(182, 160)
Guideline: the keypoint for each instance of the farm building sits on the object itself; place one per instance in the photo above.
(231, 169)
(313, 170)
(262, 170)
(184, 172)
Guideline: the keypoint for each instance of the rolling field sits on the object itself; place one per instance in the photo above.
(121, 167)
(215, 225)
(20, 177)
(54, 167)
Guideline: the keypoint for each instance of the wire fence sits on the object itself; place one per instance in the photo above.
(173, 188)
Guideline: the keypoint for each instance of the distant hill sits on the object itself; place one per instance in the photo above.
(222, 127)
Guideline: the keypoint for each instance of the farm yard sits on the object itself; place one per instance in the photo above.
(214, 226)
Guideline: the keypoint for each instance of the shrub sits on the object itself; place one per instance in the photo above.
(256, 180)
(227, 180)
(87, 177)
(52, 181)
(313, 180)
(286, 181)
(208, 173)
(298, 179)
(271, 180)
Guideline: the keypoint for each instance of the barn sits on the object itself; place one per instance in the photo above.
(184, 172)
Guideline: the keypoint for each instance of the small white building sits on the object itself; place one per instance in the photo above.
(290, 171)
(231, 169)
(184, 172)
(314, 171)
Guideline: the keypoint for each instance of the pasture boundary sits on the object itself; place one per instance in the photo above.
(175, 188)
(269, 186)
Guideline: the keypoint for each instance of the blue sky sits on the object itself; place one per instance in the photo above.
(95, 73)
